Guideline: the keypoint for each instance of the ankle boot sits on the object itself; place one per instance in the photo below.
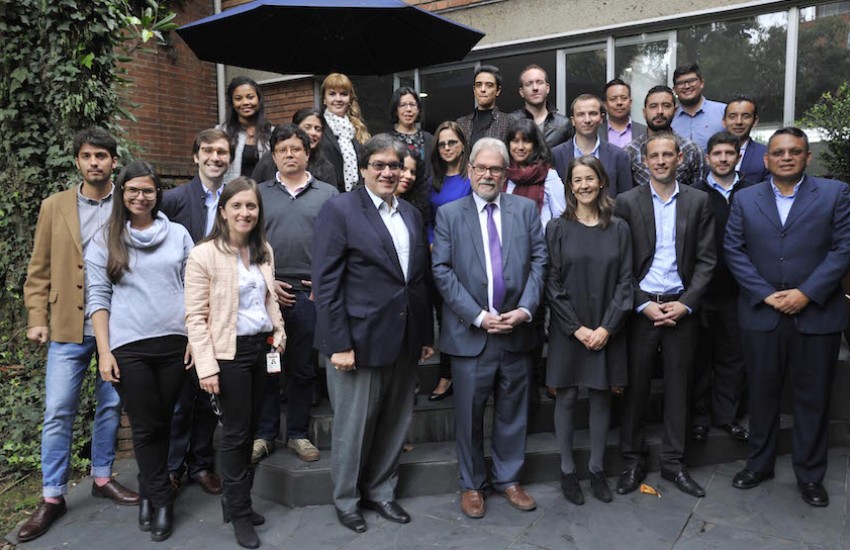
(246, 536)
(162, 522)
(145, 514)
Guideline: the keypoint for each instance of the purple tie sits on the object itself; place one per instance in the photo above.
(495, 259)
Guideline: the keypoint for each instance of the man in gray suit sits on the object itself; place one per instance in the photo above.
(489, 260)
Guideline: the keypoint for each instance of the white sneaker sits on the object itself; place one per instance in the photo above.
(305, 450)
(260, 450)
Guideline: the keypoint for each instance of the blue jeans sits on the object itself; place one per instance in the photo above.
(67, 366)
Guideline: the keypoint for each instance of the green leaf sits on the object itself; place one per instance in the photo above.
(86, 60)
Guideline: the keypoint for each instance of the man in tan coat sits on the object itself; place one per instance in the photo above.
(54, 294)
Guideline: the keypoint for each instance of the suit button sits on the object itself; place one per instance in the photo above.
(80, 308)
(781, 259)
(403, 314)
(79, 286)
(80, 266)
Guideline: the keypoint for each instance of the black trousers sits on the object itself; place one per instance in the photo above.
(152, 375)
(808, 361)
(192, 429)
(242, 385)
(719, 371)
(677, 345)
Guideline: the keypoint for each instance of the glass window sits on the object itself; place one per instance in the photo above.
(585, 72)
(509, 100)
(446, 95)
(374, 94)
(823, 53)
(643, 62)
(741, 56)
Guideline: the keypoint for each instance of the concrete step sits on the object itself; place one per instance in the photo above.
(431, 468)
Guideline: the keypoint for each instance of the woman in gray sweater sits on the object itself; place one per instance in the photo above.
(134, 275)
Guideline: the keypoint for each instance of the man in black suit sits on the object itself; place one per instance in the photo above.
(719, 372)
(374, 320)
(534, 91)
(739, 118)
(194, 206)
(587, 116)
(674, 256)
(486, 120)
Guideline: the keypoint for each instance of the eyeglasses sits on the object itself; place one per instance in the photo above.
(208, 151)
(494, 170)
(287, 150)
(133, 192)
(686, 83)
(406, 105)
(448, 144)
(379, 166)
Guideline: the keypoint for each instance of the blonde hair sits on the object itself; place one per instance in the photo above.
(338, 81)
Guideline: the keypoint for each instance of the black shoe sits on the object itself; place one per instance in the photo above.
(162, 522)
(440, 396)
(145, 515)
(813, 493)
(699, 433)
(684, 482)
(390, 510)
(736, 431)
(246, 536)
(571, 489)
(747, 479)
(630, 479)
(599, 486)
(353, 520)
(256, 519)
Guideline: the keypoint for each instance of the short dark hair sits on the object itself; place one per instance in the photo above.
(658, 136)
(661, 88)
(378, 143)
(286, 131)
(396, 101)
(685, 69)
(741, 98)
(790, 131)
(587, 97)
(493, 70)
(96, 137)
(530, 131)
(528, 68)
(617, 82)
(723, 138)
(210, 135)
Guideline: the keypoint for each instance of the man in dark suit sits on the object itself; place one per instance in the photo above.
(620, 129)
(719, 373)
(374, 321)
(788, 245)
(740, 117)
(534, 91)
(486, 120)
(587, 116)
(674, 256)
(489, 261)
(194, 206)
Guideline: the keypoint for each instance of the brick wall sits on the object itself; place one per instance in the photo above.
(175, 97)
(284, 98)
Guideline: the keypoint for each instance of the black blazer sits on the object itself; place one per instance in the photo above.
(696, 255)
(362, 299)
(330, 151)
(185, 205)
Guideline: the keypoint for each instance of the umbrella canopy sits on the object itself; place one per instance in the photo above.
(322, 36)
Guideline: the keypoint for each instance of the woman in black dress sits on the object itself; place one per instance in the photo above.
(589, 287)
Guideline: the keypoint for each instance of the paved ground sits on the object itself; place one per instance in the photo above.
(770, 516)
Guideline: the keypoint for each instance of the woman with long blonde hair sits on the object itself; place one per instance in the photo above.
(345, 130)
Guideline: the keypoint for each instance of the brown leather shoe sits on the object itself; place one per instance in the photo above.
(519, 498)
(116, 492)
(175, 480)
(41, 520)
(208, 481)
(472, 504)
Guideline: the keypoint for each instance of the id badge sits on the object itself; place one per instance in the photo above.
(273, 362)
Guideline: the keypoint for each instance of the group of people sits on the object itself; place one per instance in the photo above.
(682, 244)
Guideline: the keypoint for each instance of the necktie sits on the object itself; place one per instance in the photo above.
(495, 259)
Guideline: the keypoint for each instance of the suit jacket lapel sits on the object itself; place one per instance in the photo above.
(683, 211)
(507, 215)
(374, 218)
(415, 235)
(471, 220)
(198, 210)
(71, 216)
(646, 210)
(767, 204)
(806, 195)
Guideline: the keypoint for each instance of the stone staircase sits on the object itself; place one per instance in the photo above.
(431, 466)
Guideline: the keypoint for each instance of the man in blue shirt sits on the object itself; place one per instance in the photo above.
(697, 118)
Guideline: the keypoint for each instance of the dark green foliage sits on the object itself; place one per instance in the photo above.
(58, 74)
(831, 116)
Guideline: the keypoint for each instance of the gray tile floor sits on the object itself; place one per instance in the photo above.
(770, 516)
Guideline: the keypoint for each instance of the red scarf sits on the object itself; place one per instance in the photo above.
(529, 181)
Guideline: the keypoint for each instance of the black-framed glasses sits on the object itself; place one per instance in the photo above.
(380, 166)
(133, 192)
(686, 82)
(494, 170)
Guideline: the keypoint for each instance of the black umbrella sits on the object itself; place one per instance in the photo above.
(323, 36)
